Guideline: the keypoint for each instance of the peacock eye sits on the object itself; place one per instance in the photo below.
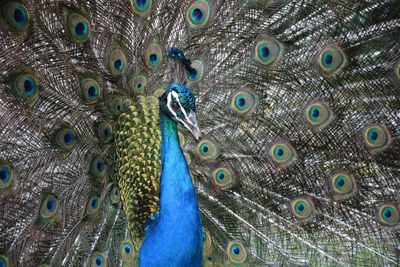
(175, 105)
(49, 206)
(127, 251)
(236, 252)
(17, 14)
(388, 214)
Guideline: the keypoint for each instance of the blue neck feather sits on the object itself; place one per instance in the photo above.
(174, 237)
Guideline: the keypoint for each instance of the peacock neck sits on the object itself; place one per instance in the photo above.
(176, 186)
(175, 235)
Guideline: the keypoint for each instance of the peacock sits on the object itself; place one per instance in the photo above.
(183, 133)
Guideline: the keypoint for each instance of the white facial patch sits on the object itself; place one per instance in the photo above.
(189, 120)
(174, 95)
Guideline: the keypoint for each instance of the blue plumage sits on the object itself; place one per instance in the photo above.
(176, 235)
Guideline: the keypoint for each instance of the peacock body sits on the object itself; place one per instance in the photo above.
(101, 160)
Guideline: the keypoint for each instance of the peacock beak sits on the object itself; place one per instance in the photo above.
(191, 124)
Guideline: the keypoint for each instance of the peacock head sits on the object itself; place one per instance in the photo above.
(179, 104)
